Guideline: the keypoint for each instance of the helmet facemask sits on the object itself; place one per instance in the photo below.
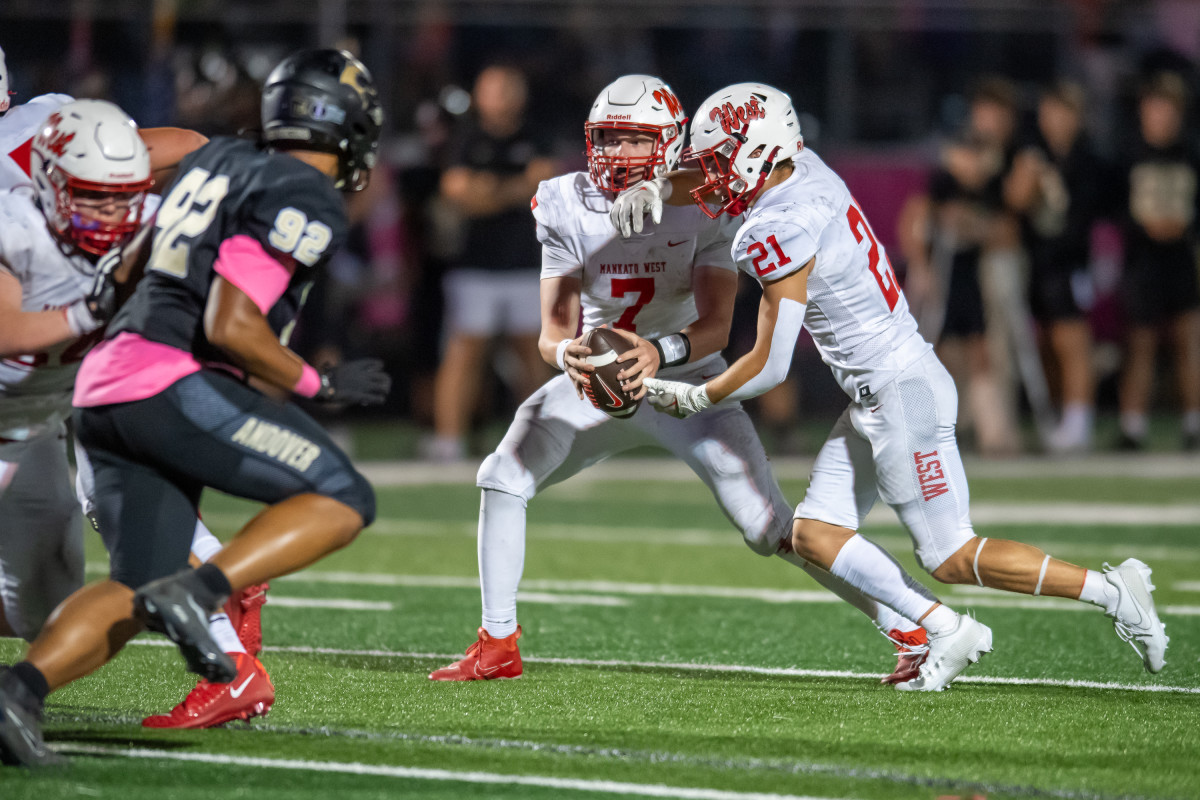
(724, 187)
(96, 217)
(616, 173)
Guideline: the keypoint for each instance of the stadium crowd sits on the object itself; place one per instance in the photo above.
(1032, 220)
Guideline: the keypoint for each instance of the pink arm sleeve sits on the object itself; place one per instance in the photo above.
(243, 262)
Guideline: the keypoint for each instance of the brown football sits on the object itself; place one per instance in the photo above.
(604, 390)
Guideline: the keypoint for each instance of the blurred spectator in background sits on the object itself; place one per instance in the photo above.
(942, 235)
(1056, 184)
(496, 162)
(1159, 185)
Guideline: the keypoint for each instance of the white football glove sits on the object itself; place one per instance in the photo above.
(676, 398)
(635, 202)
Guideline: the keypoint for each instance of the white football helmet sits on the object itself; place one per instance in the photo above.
(5, 94)
(738, 135)
(636, 103)
(86, 156)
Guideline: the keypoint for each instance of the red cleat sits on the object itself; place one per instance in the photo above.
(250, 694)
(911, 649)
(487, 659)
(244, 608)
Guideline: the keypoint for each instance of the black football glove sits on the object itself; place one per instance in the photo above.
(102, 297)
(359, 382)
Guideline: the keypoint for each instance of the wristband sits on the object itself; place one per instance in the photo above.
(561, 354)
(309, 383)
(673, 350)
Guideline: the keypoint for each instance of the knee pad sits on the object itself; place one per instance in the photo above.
(766, 532)
(357, 493)
(504, 472)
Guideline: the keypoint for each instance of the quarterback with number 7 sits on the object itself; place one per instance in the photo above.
(821, 267)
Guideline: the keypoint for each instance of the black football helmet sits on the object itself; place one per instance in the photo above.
(325, 100)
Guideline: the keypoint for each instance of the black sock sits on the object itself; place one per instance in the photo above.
(33, 679)
(211, 577)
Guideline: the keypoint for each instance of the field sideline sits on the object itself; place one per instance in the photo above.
(663, 659)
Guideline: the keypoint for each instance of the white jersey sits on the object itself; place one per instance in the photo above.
(642, 284)
(35, 389)
(856, 313)
(17, 129)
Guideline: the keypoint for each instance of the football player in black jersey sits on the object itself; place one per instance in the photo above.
(167, 404)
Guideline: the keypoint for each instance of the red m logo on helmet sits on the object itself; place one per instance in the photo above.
(670, 101)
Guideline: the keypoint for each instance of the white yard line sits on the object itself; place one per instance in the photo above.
(331, 603)
(421, 773)
(1187, 586)
(410, 473)
(543, 590)
(790, 672)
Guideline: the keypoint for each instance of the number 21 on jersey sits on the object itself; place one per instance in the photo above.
(881, 269)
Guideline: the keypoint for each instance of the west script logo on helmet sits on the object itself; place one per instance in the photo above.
(734, 118)
(670, 101)
(52, 139)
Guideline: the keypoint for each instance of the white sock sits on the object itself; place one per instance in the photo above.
(1191, 422)
(224, 635)
(865, 566)
(501, 559)
(884, 618)
(204, 544)
(1134, 424)
(940, 620)
(1077, 419)
(1098, 591)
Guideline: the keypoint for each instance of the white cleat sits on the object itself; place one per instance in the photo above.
(1134, 617)
(949, 654)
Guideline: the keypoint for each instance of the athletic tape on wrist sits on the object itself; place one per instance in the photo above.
(673, 349)
(561, 354)
(1037, 590)
(975, 565)
(309, 383)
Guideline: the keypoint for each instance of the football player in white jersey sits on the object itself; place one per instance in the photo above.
(87, 198)
(805, 239)
(24, 568)
(670, 292)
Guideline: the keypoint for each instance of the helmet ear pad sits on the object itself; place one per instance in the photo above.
(325, 100)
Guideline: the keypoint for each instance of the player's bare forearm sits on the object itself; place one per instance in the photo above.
(233, 323)
(715, 290)
(26, 332)
(167, 147)
(682, 183)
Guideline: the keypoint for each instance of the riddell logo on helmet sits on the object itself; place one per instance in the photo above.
(734, 118)
(619, 116)
(52, 139)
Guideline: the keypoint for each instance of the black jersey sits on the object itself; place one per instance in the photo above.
(1057, 230)
(1160, 185)
(229, 188)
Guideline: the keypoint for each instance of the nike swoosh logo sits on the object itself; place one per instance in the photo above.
(876, 408)
(617, 402)
(490, 670)
(676, 244)
(236, 693)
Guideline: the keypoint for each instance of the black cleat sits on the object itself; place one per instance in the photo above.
(21, 743)
(170, 606)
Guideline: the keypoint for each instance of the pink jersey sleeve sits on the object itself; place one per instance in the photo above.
(242, 261)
